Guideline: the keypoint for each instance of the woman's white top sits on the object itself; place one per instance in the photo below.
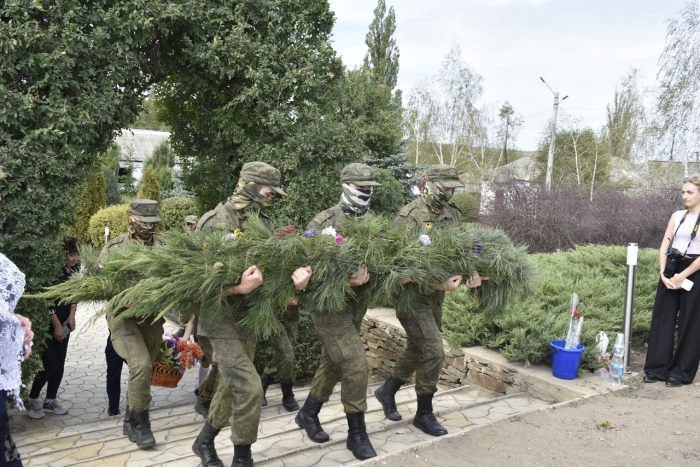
(11, 333)
(682, 238)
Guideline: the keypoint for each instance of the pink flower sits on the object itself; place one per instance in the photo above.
(339, 240)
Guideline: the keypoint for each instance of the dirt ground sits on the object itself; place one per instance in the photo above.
(646, 424)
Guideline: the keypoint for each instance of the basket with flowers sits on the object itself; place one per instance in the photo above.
(174, 357)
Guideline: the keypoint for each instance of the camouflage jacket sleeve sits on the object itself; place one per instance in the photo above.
(331, 217)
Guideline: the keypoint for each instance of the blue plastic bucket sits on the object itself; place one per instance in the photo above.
(565, 361)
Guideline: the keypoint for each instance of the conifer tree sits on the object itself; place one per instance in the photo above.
(92, 199)
(382, 58)
(149, 188)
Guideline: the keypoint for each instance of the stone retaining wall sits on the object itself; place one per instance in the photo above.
(385, 342)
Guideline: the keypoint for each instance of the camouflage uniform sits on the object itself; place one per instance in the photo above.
(281, 366)
(343, 357)
(238, 391)
(424, 352)
(135, 341)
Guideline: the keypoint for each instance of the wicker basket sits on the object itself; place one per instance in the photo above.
(165, 377)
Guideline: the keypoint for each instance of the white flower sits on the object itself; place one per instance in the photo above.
(329, 231)
(227, 237)
(425, 240)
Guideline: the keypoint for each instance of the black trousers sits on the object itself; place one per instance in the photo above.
(114, 374)
(54, 359)
(663, 361)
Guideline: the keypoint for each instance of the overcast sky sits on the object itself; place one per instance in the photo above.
(582, 48)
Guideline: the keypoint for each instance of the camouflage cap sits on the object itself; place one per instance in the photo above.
(445, 174)
(191, 220)
(146, 209)
(359, 174)
(262, 174)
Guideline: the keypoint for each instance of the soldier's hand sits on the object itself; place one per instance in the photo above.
(451, 284)
(301, 277)
(360, 277)
(475, 280)
(251, 279)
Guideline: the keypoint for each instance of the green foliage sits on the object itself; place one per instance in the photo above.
(115, 217)
(148, 186)
(525, 329)
(174, 210)
(382, 59)
(162, 156)
(578, 158)
(164, 178)
(307, 351)
(148, 118)
(623, 118)
(112, 192)
(468, 204)
(388, 198)
(400, 167)
(92, 199)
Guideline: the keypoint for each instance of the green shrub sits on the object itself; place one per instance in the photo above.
(148, 186)
(92, 199)
(307, 352)
(525, 328)
(174, 210)
(468, 204)
(112, 192)
(387, 199)
(115, 217)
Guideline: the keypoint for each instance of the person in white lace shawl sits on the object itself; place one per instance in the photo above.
(15, 346)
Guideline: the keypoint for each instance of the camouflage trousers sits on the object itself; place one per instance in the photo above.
(138, 344)
(343, 359)
(238, 391)
(424, 352)
(208, 386)
(281, 367)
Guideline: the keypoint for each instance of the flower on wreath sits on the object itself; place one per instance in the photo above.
(227, 237)
(428, 225)
(286, 231)
(477, 248)
(425, 240)
(339, 239)
(329, 231)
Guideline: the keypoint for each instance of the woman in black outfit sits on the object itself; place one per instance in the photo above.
(54, 356)
(674, 302)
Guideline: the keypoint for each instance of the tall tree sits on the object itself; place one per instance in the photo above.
(624, 117)
(382, 58)
(510, 124)
(679, 77)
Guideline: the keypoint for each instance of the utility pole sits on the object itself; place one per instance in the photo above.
(550, 156)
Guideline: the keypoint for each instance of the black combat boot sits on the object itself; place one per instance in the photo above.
(385, 395)
(143, 436)
(288, 400)
(129, 425)
(242, 456)
(425, 419)
(358, 440)
(307, 418)
(266, 381)
(204, 446)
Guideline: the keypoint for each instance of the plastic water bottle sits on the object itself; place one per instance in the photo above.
(617, 364)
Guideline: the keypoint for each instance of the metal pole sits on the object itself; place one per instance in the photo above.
(550, 156)
(632, 250)
(106, 235)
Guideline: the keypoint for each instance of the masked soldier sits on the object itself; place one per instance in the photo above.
(343, 357)
(232, 347)
(424, 352)
(136, 341)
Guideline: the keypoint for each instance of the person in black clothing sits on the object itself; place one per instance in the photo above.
(54, 356)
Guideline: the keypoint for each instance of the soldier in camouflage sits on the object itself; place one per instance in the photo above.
(424, 352)
(232, 347)
(281, 366)
(136, 341)
(343, 357)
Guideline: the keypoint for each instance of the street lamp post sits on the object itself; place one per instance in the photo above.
(550, 156)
